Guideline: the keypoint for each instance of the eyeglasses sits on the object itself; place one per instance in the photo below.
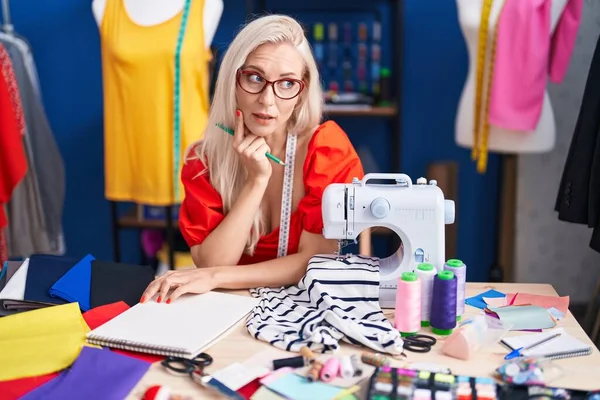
(254, 83)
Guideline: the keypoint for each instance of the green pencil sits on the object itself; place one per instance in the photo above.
(269, 155)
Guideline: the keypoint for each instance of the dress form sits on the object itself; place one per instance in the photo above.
(154, 12)
(542, 139)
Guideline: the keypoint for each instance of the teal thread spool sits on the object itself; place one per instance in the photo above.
(426, 273)
(460, 271)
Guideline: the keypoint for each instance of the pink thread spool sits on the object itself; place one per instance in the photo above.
(330, 369)
(408, 304)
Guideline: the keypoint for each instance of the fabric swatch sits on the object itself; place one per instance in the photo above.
(295, 387)
(524, 317)
(74, 286)
(41, 341)
(112, 282)
(477, 301)
(521, 299)
(16, 388)
(95, 374)
(15, 285)
(44, 271)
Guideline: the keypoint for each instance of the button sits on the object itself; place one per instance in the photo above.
(419, 256)
(421, 181)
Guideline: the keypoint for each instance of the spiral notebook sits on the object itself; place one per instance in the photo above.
(184, 328)
(565, 346)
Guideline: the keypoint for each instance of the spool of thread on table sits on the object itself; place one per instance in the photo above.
(356, 365)
(376, 360)
(460, 271)
(315, 370)
(408, 304)
(330, 370)
(426, 273)
(443, 303)
(346, 369)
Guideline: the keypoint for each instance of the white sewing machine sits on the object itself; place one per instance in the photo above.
(417, 213)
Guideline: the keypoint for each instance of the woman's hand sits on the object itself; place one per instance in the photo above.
(198, 280)
(252, 150)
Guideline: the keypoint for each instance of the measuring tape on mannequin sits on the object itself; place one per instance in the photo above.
(177, 101)
(481, 129)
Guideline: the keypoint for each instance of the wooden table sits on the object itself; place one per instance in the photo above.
(579, 373)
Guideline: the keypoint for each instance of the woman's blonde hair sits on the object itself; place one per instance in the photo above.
(227, 174)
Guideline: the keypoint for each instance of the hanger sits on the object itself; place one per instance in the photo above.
(7, 25)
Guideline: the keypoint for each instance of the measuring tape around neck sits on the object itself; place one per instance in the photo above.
(479, 152)
(286, 196)
(177, 101)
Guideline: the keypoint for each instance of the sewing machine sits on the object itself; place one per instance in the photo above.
(417, 213)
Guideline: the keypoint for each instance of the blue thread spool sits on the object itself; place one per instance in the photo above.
(443, 303)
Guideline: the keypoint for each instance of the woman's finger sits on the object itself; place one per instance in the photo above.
(183, 289)
(260, 152)
(254, 146)
(169, 282)
(151, 289)
(238, 134)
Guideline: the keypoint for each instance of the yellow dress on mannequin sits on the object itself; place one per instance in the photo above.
(140, 138)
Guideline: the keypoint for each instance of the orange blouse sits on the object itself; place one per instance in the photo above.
(331, 158)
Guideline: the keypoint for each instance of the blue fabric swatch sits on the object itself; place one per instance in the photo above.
(477, 301)
(74, 286)
(44, 270)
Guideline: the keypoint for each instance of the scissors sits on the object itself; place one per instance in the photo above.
(419, 343)
(194, 367)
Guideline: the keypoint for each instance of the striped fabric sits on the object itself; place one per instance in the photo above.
(336, 300)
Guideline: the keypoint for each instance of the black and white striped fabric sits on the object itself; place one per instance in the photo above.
(337, 300)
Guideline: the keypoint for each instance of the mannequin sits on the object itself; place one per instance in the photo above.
(542, 139)
(153, 12)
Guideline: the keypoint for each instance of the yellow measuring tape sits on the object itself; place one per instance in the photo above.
(481, 129)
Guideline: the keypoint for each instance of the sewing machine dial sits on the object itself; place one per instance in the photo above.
(380, 207)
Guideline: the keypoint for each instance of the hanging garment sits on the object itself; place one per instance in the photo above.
(578, 199)
(140, 132)
(37, 203)
(28, 61)
(336, 300)
(526, 52)
(13, 162)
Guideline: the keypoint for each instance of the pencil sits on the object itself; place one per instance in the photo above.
(269, 155)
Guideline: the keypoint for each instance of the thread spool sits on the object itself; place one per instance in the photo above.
(376, 360)
(308, 354)
(346, 369)
(315, 370)
(426, 273)
(294, 362)
(408, 304)
(443, 303)
(460, 271)
(330, 369)
(356, 365)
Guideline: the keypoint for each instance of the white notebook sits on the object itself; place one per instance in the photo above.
(565, 346)
(184, 328)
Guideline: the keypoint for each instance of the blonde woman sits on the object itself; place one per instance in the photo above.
(268, 89)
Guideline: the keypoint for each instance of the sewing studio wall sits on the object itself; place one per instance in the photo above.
(549, 250)
(65, 43)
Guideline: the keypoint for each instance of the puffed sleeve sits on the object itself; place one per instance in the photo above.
(331, 159)
(202, 209)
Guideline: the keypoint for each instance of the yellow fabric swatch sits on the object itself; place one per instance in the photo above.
(41, 341)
